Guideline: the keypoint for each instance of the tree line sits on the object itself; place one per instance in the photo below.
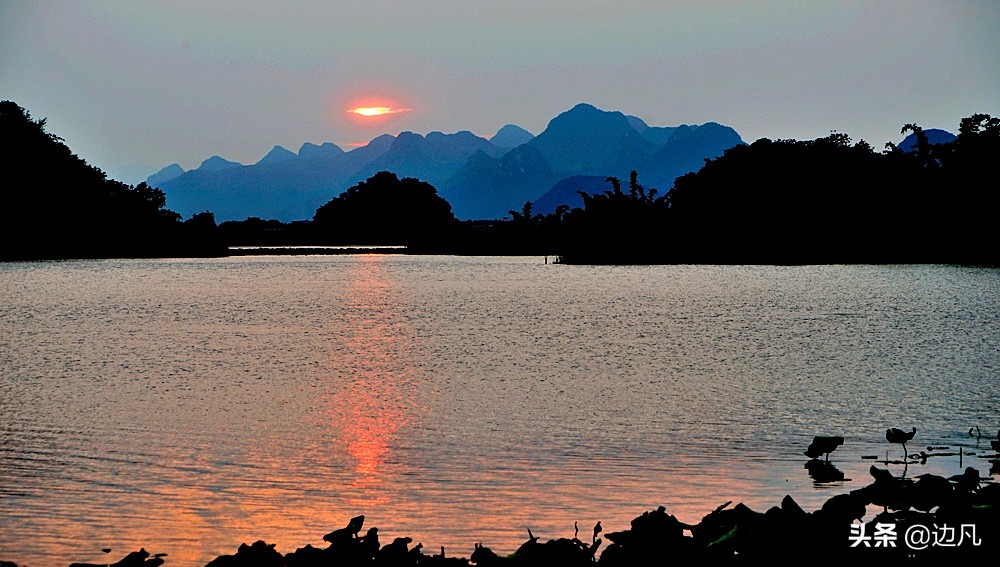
(827, 200)
(793, 202)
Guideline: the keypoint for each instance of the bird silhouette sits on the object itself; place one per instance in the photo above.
(894, 435)
(823, 445)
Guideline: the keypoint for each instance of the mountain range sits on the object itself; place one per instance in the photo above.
(481, 178)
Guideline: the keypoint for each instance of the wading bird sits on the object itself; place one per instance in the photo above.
(894, 435)
(823, 445)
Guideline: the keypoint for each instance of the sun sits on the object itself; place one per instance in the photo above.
(377, 110)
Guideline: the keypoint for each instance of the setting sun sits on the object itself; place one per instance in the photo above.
(377, 110)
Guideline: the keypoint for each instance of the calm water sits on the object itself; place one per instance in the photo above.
(188, 406)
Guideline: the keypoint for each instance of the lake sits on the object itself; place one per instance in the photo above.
(188, 406)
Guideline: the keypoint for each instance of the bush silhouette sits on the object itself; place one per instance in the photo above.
(386, 210)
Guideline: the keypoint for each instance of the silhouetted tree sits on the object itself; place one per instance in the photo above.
(617, 227)
(924, 147)
(387, 210)
(966, 190)
(524, 216)
(54, 205)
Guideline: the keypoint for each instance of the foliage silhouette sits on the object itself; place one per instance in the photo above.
(387, 210)
(616, 227)
(55, 205)
(821, 201)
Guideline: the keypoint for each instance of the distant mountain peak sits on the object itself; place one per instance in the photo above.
(585, 116)
(172, 171)
(462, 136)
(934, 136)
(382, 141)
(587, 140)
(277, 154)
(216, 163)
(511, 136)
(585, 107)
(327, 149)
(407, 138)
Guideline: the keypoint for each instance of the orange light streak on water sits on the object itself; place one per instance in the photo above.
(376, 406)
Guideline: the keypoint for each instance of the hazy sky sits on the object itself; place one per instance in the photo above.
(135, 85)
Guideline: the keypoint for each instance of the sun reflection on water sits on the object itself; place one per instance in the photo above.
(377, 404)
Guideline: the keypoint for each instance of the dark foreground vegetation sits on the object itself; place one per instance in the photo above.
(771, 202)
(820, 201)
(55, 205)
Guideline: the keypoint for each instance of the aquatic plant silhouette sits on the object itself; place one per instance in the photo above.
(887, 491)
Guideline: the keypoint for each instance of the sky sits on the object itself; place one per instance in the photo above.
(135, 85)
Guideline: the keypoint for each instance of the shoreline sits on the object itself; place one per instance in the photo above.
(931, 519)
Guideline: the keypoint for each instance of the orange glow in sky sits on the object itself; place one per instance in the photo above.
(377, 110)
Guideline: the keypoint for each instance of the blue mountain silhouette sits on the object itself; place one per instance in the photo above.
(172, 171)
(311, 151)
(481, 178)
(277, 154)
(511, 136)
(934, 136)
